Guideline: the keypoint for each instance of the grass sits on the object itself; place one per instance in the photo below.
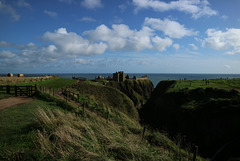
(4, 96)
(43, 130)
(226, 84)
(18, 80)
(17, 134)
(56, 83)
(138, 91)
(100, 96)
(51, 129)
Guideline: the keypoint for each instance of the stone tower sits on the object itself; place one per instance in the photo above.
(119, 76)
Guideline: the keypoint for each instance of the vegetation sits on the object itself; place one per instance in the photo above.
(100, 96)
(207, 113)
(52, 129)
(19, 80)
(138, 91)
(56, 83)
(226, 84)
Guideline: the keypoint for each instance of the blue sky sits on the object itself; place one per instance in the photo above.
(104, 36)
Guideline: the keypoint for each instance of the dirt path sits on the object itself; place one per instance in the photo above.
(13, 101)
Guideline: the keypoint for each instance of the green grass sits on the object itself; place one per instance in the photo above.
(226, 84)
(51, 129)
(56, 83)
(3, 95)
(100, 96)
(17, 134)
(44, 131)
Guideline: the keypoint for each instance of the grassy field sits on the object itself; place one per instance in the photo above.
(226, 84)
(56, 83)
(51, 129)
(18, 80)
(42, 130)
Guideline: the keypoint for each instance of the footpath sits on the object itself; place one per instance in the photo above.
(13, 101)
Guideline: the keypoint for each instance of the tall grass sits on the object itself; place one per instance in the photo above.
(68, 137)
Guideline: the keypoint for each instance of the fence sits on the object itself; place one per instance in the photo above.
(19, 90)
(48, 90)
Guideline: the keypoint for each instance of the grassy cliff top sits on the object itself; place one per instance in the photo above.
(226, 84)
(51, 129)
(106, 97)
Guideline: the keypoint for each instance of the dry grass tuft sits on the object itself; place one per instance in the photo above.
(70, 137)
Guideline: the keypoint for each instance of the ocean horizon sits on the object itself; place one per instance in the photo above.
(154, 77)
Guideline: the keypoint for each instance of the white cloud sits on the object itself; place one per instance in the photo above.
(161, 44)
(7, 9)
(170, 28)
(87, 19)
(6, 54)
(193, 46)
(197, 8)
(224, 17)
(120, 37)
(227, 66)
(51, 13)
(83, 61)
(220, 40)
(4, 44)
(176, 46)
(73, 44)
(234, 51)
(91, 4)
(22, 3)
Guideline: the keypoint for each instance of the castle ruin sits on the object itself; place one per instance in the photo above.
(119, 76)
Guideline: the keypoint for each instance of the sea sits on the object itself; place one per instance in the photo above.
(154, 77)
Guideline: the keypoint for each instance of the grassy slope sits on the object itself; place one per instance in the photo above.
(138, 91)
(102, 97)
(227, 84)
(42, 130)
(56, 83)
(208, 114)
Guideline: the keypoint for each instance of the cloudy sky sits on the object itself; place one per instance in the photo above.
(137, 36)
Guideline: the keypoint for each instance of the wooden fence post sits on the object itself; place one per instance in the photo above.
(15, 88)
(35, 89)
(28, 90)
(8, 89)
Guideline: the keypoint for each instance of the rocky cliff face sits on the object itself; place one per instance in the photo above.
(138, 91)
(207, 117)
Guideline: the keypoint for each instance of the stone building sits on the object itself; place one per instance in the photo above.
(119, 76)
(10, 75)
(20, 75)
(145, 77)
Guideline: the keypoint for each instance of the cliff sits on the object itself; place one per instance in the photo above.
(100, 96)
(139, 91)
(97, 122)
(208, 117)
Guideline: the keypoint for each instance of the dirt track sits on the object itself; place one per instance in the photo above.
(13, 101)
